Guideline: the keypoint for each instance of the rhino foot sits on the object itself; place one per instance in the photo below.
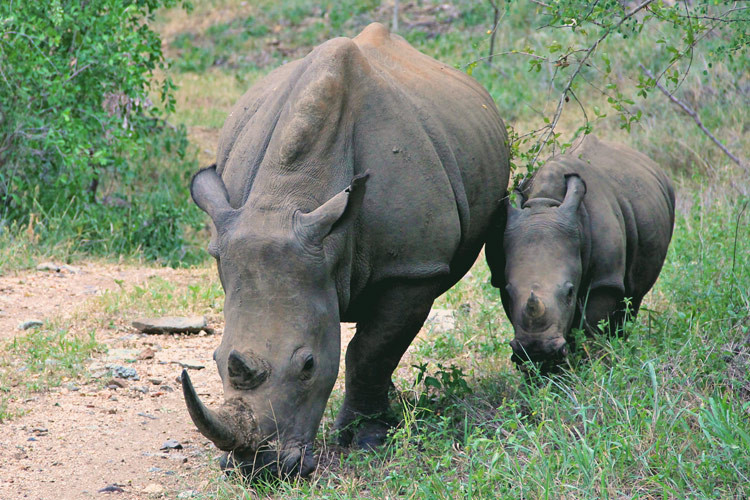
(362, 431)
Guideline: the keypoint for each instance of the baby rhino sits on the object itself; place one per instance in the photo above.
(592, 232)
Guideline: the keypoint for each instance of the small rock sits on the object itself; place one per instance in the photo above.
(140, 388)
(72, 387)
(171, 444)
(111, 488)
(145, 354)
(48, 266)
(155, 381)
(31, 439)
(70, 269)
(124, 372)
(31, 323)
(188, 494)
(40, 431)
(171, 324)
(153, 489)
(99, 373)
(190, 365)
(147, 415)
(166, 388)
(154, 469)
(181, 458)
(117, 383)
(395, 150)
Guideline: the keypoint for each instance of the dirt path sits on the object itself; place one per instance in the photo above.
(76, 440)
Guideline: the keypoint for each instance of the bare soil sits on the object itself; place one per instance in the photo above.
(75, 440)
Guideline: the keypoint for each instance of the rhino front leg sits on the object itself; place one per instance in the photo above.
(604, 304)
(396, 315)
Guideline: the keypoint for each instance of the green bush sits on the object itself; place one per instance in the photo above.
(77, 124)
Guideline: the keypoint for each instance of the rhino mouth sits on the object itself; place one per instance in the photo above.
(549, 352)
(268, 463)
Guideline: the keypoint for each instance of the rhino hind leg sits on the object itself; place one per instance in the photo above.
(398, 311)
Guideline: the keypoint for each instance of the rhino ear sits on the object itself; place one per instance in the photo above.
(335, 214)
(210, 194)
(576, 188)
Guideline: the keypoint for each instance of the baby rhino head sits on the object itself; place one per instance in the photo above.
(542, 273)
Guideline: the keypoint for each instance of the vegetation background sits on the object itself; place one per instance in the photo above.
(108, 107)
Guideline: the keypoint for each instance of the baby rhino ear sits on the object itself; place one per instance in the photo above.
(576, 189)
(335, 214)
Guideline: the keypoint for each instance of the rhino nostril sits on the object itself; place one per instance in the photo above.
(515, 345)
(564, 351)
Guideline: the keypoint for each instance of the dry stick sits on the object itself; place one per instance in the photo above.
(494, 31)
(394, 26)
(687, 109)
(561, 102)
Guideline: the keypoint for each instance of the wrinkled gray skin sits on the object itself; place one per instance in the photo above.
(356, 184)
(594, 229)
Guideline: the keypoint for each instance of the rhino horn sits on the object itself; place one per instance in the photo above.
(576, 188)
(534, 307)
(221, 427)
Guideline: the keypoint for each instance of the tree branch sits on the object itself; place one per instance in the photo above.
(564, 95)
(690, 112)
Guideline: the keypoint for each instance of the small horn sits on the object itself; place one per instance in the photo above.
(246, 372)
(219, 427)
(534, 307)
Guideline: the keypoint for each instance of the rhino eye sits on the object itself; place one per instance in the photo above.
(307, 368)
(569, 289)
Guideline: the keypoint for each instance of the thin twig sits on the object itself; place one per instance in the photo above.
(692, 114)
(736, 230)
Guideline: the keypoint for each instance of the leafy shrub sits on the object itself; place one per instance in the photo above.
(77, 121)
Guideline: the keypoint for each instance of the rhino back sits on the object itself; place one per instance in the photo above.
(430, 136)
(629, 207)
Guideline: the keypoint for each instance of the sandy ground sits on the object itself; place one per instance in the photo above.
(76, 440)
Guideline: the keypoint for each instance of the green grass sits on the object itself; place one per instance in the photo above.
(160, 297)
(42, 359)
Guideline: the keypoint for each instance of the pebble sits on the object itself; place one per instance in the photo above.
(147, 353)
(30, 323)
(166, 388)
(117, 383)
(153, 488)
(171, 444)
(147, 415)
(48, 266)
(140, 388)
(111, 488)
(155, 380)
(171, 324)
(120, 371)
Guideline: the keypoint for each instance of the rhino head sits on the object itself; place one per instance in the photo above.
(543, 242)
(279, 354)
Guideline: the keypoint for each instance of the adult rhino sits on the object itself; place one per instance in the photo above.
(592, 232)
(301, 247)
